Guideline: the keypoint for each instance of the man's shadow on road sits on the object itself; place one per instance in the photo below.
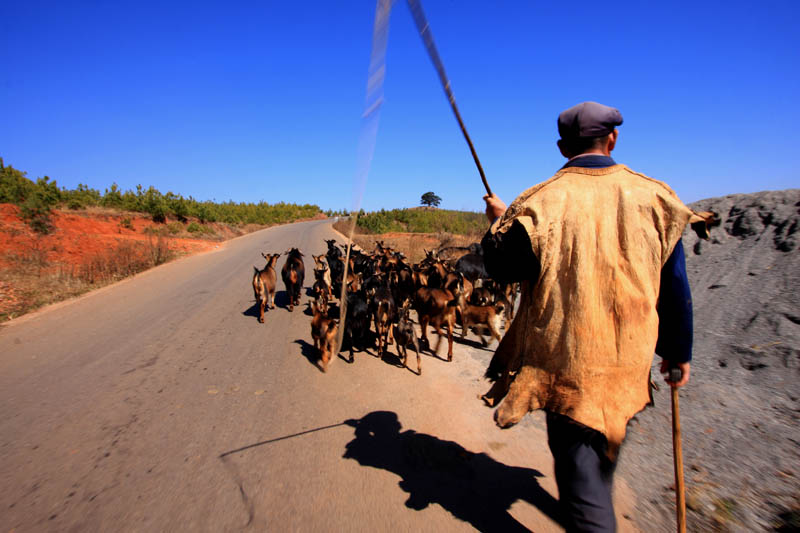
(473, 487)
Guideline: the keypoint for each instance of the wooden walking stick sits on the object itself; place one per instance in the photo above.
(675, 375)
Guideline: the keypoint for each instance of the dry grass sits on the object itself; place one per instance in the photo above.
(30, 281)
(344, 226)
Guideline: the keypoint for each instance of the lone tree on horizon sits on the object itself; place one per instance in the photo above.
(430, 199)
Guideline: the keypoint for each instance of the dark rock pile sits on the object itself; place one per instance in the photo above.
(740, 412)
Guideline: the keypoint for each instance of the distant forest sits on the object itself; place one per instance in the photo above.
(37, 198)
(422, 220)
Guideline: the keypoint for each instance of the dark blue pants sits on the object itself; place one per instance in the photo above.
(584, 474)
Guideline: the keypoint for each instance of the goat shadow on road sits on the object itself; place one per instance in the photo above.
(471, 486)
(253, 310)
(310, 353)
(281, 301)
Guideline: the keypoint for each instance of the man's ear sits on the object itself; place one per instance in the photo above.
(562, 149)
(612, 139)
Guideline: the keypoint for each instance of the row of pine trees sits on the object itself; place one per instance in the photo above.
(37, 199)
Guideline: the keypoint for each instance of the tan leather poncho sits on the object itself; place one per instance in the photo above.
(583, 340)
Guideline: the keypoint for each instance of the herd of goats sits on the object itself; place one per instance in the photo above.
(380, 289)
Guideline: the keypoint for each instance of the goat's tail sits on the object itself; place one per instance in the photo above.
(383, 309)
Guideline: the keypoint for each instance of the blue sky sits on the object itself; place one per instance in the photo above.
(262, 100)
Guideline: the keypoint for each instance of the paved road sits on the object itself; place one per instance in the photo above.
(161, 404)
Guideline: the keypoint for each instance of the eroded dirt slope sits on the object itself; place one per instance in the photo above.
(740, 412)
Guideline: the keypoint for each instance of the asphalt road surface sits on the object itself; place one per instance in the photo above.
(161, 404)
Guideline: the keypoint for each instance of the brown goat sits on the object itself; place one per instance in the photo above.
(322, 273)
(383, 314)
(264, 283)
(354, 281)
(320, 296)
(437, 307)
(323, 331)
(404, 335)
(454, 279)
(482, 316)
(510, 297)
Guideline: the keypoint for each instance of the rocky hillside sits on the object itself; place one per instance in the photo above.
(740, 413)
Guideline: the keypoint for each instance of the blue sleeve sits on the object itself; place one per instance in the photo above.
(675, 323)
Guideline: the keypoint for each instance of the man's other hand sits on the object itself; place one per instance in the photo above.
(684, 368)
(495, 207)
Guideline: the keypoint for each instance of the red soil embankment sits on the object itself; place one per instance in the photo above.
(79, 236)
(85, 250)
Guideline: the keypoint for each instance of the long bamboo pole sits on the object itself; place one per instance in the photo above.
(427, 38)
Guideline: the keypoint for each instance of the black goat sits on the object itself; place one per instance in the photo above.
(293, 274)
(356, 329)
(471, 265)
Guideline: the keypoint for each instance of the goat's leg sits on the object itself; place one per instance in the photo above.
(438, 330)
(385, 329)
(494, 332)
(416, 348)
(423, 324)
(377, 334)
(479, 331)
(261, 303)
(381, 339)
(324, 354)
(449, 340)
(272, 299)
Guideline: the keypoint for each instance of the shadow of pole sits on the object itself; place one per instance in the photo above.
(278, 439)
(230, 465)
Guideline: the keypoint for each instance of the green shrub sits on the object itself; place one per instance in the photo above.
(112, 197)
(177, 205)
(194, 227)
(423, 221)
(126, 223)
(75, 204)
(80, 197)
(14, 186)
(36, 213)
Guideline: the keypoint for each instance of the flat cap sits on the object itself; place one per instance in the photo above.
(588, 119)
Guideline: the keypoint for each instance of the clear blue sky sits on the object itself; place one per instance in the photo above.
(262, 100)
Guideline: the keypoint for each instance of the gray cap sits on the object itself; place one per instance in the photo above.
(588, 119)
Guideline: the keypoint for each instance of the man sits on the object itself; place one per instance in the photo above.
(597, 248)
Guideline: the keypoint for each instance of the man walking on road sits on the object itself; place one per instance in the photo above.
(598, 250)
